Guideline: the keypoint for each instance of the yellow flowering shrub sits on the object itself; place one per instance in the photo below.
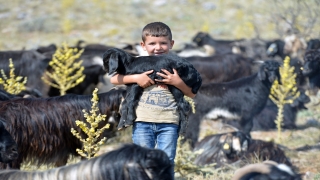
(67, 73)
(91, 144)
(285, 92)
(14, 84)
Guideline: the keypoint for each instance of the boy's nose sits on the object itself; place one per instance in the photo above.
(158, 46)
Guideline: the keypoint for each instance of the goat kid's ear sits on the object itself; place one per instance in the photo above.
(113, 64)
(105, 60)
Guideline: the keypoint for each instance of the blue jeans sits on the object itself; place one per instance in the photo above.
(162, 136)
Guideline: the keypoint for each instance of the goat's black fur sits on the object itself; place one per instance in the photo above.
(243, 98)
(42, 126)
(130, 162)
(118, 61)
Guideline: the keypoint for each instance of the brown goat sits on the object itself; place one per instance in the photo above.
(42, 126)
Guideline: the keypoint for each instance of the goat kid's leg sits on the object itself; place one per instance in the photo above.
(183, 107)
(124, 108)
(133, 102)
(123, 115)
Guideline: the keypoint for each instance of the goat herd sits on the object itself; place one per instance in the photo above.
(233, 84)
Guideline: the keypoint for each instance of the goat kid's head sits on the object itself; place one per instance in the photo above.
(269, 71)
(114, 60)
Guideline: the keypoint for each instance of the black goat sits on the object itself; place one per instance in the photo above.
(276, 49)
(265, 119)
(220, 46)
(4, 95)
(8, 147)
(311, 68)
(241, 99)
(313, 44)
(41, 126)
(130, 162)
(27, 63)
(118, 61)
(253, 48)
(266, 170)
(221, 149)
(237, 147)
(222, 68)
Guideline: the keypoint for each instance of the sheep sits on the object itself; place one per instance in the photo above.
(129, 162)
(8, 147)
(240, 99)
(42, 126)
(266, 170)
(118, 61)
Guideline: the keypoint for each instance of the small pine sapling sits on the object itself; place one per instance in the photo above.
(285, 92)
(14, 84)
(92, 143)
(67, 73)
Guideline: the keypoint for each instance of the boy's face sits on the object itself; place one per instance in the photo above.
(157, 45)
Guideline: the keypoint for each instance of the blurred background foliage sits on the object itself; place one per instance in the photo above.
(31, 23)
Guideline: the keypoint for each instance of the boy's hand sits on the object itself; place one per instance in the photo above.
(143, 79)
(168, 78)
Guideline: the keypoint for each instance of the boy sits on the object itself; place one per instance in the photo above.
(157, 122)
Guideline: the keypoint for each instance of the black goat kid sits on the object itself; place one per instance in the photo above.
(118, 61)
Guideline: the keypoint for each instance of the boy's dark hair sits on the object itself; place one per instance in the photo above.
(156, 29)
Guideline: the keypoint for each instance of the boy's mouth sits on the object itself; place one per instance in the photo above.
(158, 53)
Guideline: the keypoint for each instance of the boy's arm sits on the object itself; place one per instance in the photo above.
(175, 80)
(142, 79)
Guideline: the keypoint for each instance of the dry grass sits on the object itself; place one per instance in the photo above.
(29, 24)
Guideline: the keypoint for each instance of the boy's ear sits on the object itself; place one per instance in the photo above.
(172, 43)
(143, 45)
